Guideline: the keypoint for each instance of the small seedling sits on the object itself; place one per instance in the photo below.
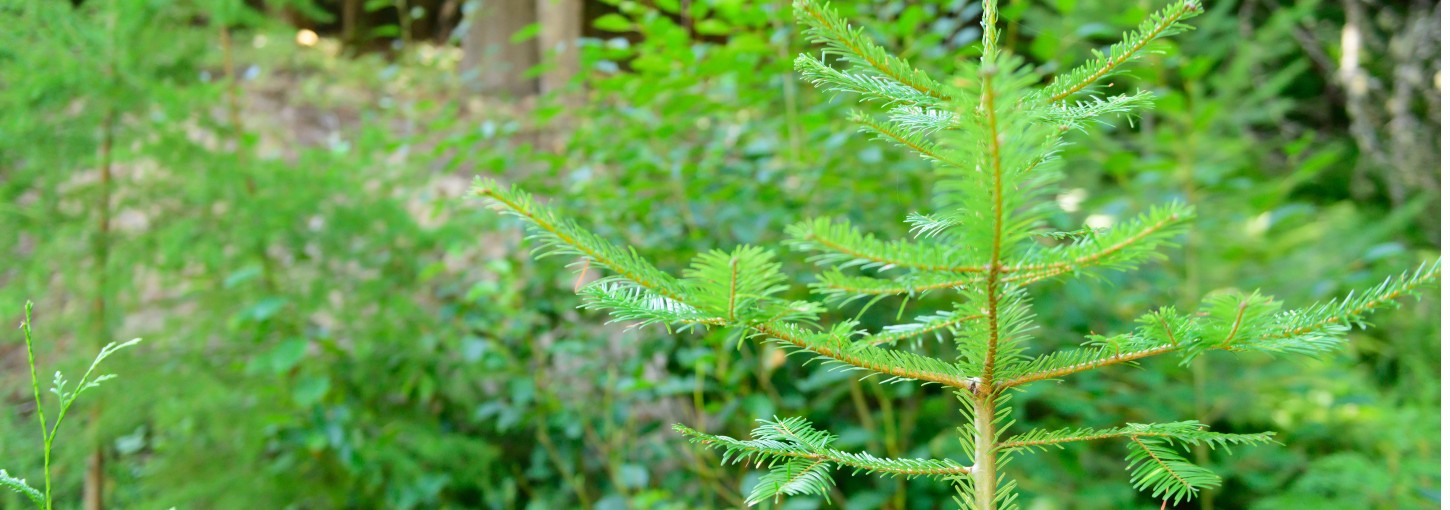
(66, 396)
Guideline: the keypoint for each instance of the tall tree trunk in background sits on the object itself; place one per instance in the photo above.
(351, 18)
(95, 482)
(1388, 64)
(492, 64)
(561, 24)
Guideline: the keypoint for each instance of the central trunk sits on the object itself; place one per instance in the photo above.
(984, 469)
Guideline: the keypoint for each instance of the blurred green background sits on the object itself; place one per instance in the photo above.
(273, 194)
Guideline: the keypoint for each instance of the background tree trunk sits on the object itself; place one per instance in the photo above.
(561, 27)
(492, 64)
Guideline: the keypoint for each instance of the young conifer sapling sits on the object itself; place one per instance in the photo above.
(992, 134)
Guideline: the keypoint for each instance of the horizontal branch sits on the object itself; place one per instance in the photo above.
(897, 364)
(739, 449)
(905, 331)
(1190, 432)
(923, 147)
(835, 282)
(848, 354)
(1158, 25)
(842, 245)
(1008, 445)
(1027, 273)
(1407, 284)
(1082, 367)
(832, 28)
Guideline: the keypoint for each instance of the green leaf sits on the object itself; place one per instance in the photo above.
(712, 26)
(386, 31)
(241, 276)
(287, 354)
(310, 389)
(523, 34)
(633, 476)
(614, 22)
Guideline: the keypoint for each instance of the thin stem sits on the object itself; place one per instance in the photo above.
(863, 413)
(734, 276)
(788, 87)
(994, 273)
(1198, 369)
(39, 404)
(985, 400)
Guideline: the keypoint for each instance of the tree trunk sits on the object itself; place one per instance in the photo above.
(561, 23)
(492, 64)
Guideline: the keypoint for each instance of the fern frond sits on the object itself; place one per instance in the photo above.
(824, 26)
(1163, 23)
(842, 245)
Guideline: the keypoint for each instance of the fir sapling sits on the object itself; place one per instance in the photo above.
(991, 132)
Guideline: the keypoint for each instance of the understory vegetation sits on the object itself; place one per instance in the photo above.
(279, 202)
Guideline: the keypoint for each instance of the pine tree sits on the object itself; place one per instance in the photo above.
(991, 132)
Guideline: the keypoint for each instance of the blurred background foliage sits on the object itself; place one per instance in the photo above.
(272, 194)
